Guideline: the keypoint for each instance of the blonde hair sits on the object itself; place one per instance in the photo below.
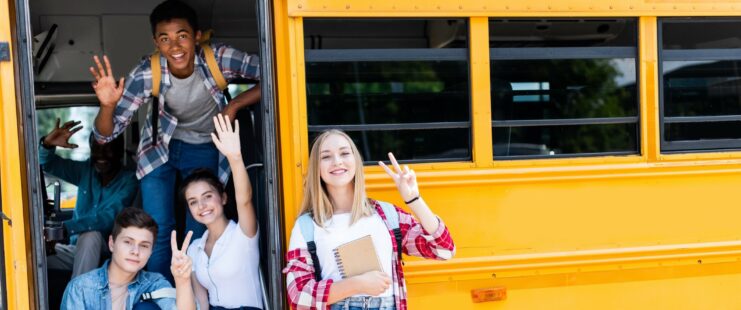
(316, 200)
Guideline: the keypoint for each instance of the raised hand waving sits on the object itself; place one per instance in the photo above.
(60, 135)
(226, 138)
(105, 86)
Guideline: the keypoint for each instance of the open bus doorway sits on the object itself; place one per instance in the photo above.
(65, 37)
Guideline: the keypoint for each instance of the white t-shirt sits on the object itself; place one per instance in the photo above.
(231, 274)
(338, 231)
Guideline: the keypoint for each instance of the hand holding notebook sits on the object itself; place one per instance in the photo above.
(357, 257)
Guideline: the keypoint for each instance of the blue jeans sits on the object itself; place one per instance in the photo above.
(210, 307)
(158, 197)
(365, 303)
(145, 305)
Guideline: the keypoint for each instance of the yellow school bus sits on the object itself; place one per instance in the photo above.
(584, 154)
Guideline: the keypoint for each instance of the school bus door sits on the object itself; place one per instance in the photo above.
(17, 270)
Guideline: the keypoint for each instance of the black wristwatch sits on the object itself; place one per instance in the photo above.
(44, 145)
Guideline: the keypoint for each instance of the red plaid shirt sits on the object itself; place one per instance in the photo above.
(304, 292)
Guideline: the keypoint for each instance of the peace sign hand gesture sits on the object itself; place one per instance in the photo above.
(59, 136)
(181, 264)
(106, 89)
(406, 179)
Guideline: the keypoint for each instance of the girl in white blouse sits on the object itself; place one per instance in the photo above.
(226, 258)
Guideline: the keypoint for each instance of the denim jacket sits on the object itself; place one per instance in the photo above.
(91, 291)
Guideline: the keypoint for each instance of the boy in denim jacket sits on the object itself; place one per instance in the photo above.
(121, 283)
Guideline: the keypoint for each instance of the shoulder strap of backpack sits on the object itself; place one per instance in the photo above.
(213, 66)
(306, 224)
(167, 292)
(392, 218)
(156, 73)
(154, 64)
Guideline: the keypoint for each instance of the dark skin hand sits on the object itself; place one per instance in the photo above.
(60, 135)
(242, 100)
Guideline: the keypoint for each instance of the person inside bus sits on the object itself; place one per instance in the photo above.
(104, 188)
(339, 212)
(189, 99)
(121, 283)
(226, 258)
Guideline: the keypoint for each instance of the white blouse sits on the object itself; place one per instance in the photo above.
(231, 274)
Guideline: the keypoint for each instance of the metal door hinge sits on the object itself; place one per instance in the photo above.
(6, 218)
(4, 51)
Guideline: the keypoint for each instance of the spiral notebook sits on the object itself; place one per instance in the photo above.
(357, 257)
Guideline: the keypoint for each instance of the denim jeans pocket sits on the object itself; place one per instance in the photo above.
(365, 303)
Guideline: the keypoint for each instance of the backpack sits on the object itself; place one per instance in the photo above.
(306, 224)
(165, 292)
(155, 65)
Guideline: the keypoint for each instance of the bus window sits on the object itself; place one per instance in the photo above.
(397, 85)
(700, 88)
(563, 87)
(46, 120)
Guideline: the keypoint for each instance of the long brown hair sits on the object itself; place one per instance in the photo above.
(316, 199)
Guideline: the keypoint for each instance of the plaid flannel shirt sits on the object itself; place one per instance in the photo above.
(304, 292)
(153, 149)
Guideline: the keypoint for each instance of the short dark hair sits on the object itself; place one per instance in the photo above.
(116, 144)
(202, 175)
(133, 217)
(172, 9)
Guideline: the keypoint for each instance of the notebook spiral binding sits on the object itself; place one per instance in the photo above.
(340, 266)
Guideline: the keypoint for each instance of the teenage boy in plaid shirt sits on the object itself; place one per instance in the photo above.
(189, 98)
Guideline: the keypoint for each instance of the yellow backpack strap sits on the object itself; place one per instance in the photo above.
(213, 66)
(205, 36)
(156, 73)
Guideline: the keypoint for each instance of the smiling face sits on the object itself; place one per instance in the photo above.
(176, 40)
(104, 158)
(336, 162)
(131, 249)
(205, 202)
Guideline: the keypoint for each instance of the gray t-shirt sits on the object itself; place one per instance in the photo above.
(190, 102)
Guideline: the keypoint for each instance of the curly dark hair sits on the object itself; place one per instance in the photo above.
(172, 9)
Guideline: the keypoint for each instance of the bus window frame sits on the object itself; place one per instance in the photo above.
(397, 54)
(567, 53)
(692, 146)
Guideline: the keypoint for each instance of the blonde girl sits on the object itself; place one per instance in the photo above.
(340, 212)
